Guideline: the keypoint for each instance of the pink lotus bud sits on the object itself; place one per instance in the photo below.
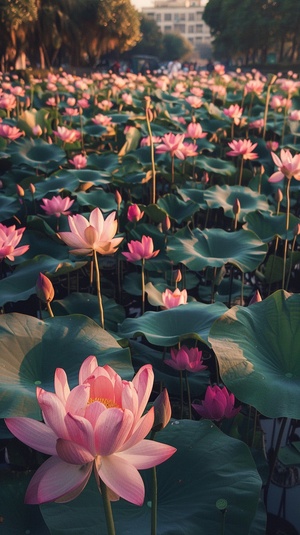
(256, 298)
(177, 276)
(37, 130)
(166, 224)
(118, 197)
(134, 213)
(44, 289)
(20, 190)
(236, 207)
(205, 178)
(279, 195)
(162, 411)
(149, 114)
(296, 230)
(32, 188)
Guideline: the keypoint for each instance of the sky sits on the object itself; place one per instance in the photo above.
(141, 3)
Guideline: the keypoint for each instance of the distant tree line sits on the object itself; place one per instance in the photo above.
(252, 29)
(50, 32)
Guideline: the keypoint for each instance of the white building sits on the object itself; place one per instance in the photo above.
(184, 17)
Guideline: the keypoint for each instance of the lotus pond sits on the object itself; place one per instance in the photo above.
(149, 290)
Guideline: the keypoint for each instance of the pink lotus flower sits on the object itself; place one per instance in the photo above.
(217, 404)
(141, 250)
(127, 98)
(189, 149)
(104, 120)
(254, 86)
(134, 213)
(79, 161)
(272, 145)
(194, 131)
(258, 123)
(145, 141)
(194, 102)
(234, 112)
(67, 135)
(7, 101)
(288, 166)
(244, 148)
(294, 115)
(57, 205)
(9, 239)
(73, 112)
(105, 105)
(97, 234)
(37, 130)
(172, 143)
(10, 132)
(96, 425)
(174, 299)
(185, 358)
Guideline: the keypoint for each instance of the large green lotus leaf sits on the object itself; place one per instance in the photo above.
(176, 208)
(105, 162)
(96, 177)
(36, 154)
(215, 165)
(32, 349)
(168, 377)
(168, 327)
(225, 197)
(208, 466)
(87, 304)
(267, 226)
(22, 283)
(94, 130)
(17, 517)
(215, 247)
(258, 353)
(195, 194)
(97, 198)
(9, 206)
(222, 291)
(56, 185)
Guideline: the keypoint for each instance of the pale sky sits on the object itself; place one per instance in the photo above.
(141, 3)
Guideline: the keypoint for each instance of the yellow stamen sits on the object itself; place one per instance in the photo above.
(109, 404)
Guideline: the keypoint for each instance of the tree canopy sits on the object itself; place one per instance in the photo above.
(251, 29)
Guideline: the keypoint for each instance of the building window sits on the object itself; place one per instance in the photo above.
(168, 16)
(158, 17)
(198, 15)
(179, 17)
(168, 29)
(190, 29)
(150, 15)
(191, 16)
(179, 28)
(199, 28)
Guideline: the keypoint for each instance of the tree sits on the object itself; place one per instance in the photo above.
(176, 46)
(151, 42)
(15, 18)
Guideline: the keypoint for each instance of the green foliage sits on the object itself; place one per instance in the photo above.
(176, 46)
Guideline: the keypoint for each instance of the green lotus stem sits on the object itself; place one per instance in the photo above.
(241, 171)
(232, 130)
(291, 263)
(212, 299)
(50, 310)
(107, 509)
(143, 285)
(242, 288)
(287, 224)
(152, 159)
(154, 502)
(230, 285)
(254, 427)
(101, 312)
(284, 120)
(266, 110)
(173, 169)
(275, 455)
(91, 276)
(223, 513)
(181, 394)
(187, 384)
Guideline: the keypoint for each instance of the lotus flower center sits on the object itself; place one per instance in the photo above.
(109, 404)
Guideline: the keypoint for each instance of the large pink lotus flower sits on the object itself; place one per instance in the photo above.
(244, 148)
(174, 299)
(141, 250)
(9, 239)
(7, 101)
(96, 425)
(234, 112)
(57, 205)
(104, 120)
(10, 132)
(186, 358)
(217, 404)
(288, 166)
(194, 131)
(79, 161)
(194, 102)
(67, 135)
(254, 86)
(97, 234)
(189, 149)
(173, 144)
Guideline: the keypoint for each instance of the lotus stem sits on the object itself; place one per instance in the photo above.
(266, 110)
(154, 502)
(50, 310)
(107, 509)
(173, 169)
(187, 384)
(291, 263)
(287, 224)
(241, 171)
(274, 457)
(101, 312)
(152, 157)
(181, 394)
(143, 285)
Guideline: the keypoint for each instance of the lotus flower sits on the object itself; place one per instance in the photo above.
(141, 250)
(10, 132)
(217, 404)
(194, 130)
(67, 135)
(185, 358)
(134, 213)
(288, 166)
(172, 143)
(79, 161)
(96, 425)
(9, 239)
(174, 299)
(97, 234)
(244, 148)
(234, 112)
(57, 205)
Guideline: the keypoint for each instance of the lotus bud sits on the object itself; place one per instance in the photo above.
(256, 298)
(44, 289)
(236, 207)
(37, 130)
(20, 190)
(118, 197)
(205, 178)
(166, 224)
(32, 188)
(134, 213)
(177, 276)
(271, 79)
(279, 195)
(149, 114)
(162, 411)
